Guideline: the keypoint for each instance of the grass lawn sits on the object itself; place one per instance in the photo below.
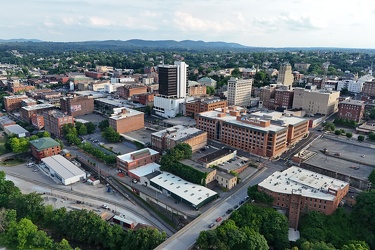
(12, 162)
(3, 150)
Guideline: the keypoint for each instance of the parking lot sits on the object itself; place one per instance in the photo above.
(142, 135)
(94, 118)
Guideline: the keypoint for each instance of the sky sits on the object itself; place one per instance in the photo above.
(266, 23)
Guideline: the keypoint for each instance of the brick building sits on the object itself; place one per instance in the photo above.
(267, 96)
(170, 137)
(28, 102)
(144, 99)
(126, 120)
(54, 120)
(263, 134)
(369, 88)
(76, 106)
(128, 91)
(28, 111)
(13, 102)
(352, 110)
(136, 159)
(298, 191)
(203, 104)
(93, 74)
(37, 120)
(283, 98)
(44, 147)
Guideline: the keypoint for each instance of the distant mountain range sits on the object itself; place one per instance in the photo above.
(19, 40)
(147, 45)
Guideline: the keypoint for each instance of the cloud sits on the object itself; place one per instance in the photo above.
(290, 22)
(100, 22)
(186, 22)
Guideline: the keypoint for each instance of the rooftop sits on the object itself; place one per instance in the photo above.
(216, 155)
(43, 143)
(353, 102)
(146, 169)
(182, 120)
(119, 103)
(304, 182)
(5, 120)
(193, 193)
(206, 80)
(121, 113)
(38, 106)
(130, 157)
(178, 133)
(62, 166)
(207, 100)
(16, 129)
(57, 114)
(196, 166)
(15, 96)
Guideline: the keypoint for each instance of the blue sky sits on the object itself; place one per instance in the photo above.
(276, 23)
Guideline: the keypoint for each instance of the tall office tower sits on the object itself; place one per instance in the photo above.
(239, 91)
(173, 80)
(285, 76)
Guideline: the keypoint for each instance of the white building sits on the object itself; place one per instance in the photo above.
(169, 107)
(239, 91)
(354, 86)
(60, 168)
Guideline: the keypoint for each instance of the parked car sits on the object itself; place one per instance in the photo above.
(211, 225)
(235, 207)
(229, 211)
(218, 219)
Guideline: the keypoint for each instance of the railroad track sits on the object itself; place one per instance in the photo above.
(72, 192)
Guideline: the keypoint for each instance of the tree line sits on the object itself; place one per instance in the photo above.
(22, 214)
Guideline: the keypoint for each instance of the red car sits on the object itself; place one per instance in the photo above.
(218, 219)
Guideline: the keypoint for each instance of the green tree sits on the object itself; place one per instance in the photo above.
(103, 124)
(344, 91)
(371, 178)
(372, 113)
(19, 145)
(82, 130)
(349, 134)
(186, 149)
(371, 136)
(90, 127)
(337, 132)
(111, 135)
(210, 90)
(43, 134)
(236, 72)
(361, 138)
(329, 126)
(355, 245)
(364, 209)
(25, 235)
(148, 110)
(63, 245)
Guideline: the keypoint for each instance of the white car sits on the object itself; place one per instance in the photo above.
(105, 206)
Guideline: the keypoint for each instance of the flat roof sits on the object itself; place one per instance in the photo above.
(16, 129)
(93, 94)
(178, 132)
(15, 96)
(193, 193)
(216, 155)
(196, 166)
(303, 182)
(120, 103)
(43, 143)
(146, 169)
(353, 102)
(129, 157)
(5, 120)
(118, 115)
(182, 120)
(38, 106)
(62, 166)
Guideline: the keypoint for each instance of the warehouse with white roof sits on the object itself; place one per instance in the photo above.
(183, 191)
(62, 169)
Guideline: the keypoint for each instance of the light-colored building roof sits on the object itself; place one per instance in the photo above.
(353, 102)
(120, 103)
(5, 120)
(38, 106)
(178, 132)
(62, 166)
(193, 193)
(118, 115)
(130, 157)
(16, 129)
(43, 143)
(15, 96)
(304, 182)
(146, 169)
(206, 80)
(279, 116)
(233, 120)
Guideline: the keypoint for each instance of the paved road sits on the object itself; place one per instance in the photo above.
(186, 237)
